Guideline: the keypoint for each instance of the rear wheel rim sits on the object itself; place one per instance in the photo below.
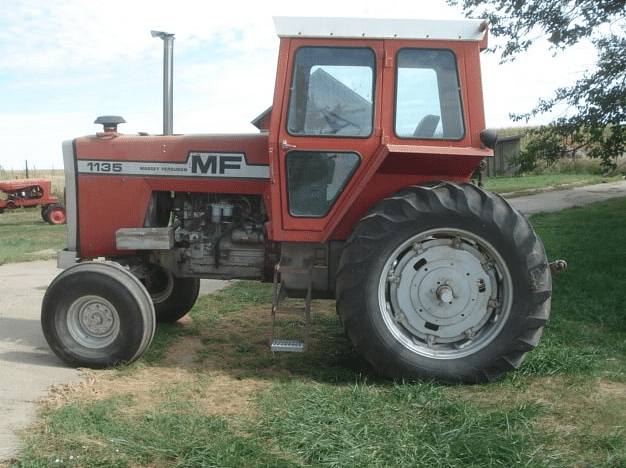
(93, 322)
(445, 293)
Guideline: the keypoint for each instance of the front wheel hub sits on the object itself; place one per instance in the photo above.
(93, 322)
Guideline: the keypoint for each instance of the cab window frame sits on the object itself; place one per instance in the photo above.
(455, 93)
(297, 116)
(316, 190)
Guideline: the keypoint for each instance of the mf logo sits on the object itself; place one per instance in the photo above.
(198, 164)
(214, 163)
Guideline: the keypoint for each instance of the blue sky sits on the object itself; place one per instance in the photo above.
(65, 62)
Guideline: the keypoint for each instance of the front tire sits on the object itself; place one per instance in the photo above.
(44, 212)
(444, 281)
(54, 214)
(97, 314)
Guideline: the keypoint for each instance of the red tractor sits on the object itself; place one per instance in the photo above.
(32, 192)
(356, 188)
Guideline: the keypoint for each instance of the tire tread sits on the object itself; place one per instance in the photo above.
(440, 201)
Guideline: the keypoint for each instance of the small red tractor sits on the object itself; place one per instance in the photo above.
(356, 187)
(32, 192)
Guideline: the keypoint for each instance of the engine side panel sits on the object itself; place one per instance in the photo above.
(115, 176)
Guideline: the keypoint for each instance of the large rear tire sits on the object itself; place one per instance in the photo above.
(97, 314)
(171, 295)
(444, 281)
(44, 212)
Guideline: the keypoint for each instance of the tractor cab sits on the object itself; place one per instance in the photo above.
(361, 108)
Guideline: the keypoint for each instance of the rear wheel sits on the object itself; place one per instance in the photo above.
(97, 314)
(171, 295)
(444, 281)
(44, 212)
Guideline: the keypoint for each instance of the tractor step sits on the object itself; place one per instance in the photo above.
(287, 346)
(279, 294)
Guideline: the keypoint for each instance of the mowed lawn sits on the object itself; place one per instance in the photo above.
(209, 393)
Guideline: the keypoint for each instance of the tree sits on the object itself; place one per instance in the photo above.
(597, 102)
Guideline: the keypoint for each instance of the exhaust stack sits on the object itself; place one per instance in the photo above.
(168, 80)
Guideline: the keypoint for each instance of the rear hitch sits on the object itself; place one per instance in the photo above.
(557, 267)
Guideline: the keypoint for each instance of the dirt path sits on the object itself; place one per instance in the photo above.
(28, 368)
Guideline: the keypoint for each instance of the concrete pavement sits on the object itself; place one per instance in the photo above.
(28, 368)
(557, 200)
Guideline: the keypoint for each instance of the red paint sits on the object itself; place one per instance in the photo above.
(107, 202)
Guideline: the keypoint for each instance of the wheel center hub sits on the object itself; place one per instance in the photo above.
(97, 319)
(445, 294)
(93, 322)
(442, 293)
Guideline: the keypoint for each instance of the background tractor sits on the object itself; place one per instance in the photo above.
(29, 193)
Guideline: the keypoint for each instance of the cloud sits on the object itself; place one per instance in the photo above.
(37, 139)
(46, 34)
(64, 62)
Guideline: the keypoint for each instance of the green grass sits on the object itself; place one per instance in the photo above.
(397, 425)
(235, 404)
(589, 304)
(110, 433)
(25, 236)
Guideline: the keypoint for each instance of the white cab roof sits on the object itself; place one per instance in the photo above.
(387, 28)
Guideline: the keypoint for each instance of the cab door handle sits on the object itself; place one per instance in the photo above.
(284, 145)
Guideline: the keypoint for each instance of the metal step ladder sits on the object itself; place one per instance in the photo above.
(279, 295)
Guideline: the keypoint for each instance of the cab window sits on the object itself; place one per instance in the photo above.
(428, 96)
(315, 179)
(332, 91)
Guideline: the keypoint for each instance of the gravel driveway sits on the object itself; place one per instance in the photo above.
(28, 368)
(561, 199)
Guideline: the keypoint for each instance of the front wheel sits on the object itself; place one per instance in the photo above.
(444, 281)
(54, 214)
(97, 314)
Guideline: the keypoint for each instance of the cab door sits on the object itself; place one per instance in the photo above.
(329, 133)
